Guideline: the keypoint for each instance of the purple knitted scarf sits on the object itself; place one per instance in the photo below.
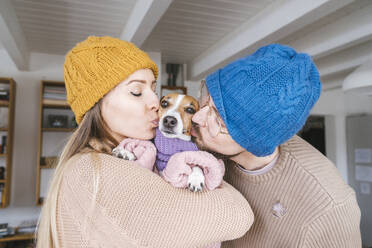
(166, 147)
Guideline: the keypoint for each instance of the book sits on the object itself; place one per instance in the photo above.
(27, 226)
(4, 94)
(58, 91)
(54, 96)
(3, 144)
(30, 229)
(1, 192)
(55, 102)
(55, 88)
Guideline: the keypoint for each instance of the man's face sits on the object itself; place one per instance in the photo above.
(209, 132)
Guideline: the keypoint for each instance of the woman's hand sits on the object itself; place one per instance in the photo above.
(143, 150)
(180, 166)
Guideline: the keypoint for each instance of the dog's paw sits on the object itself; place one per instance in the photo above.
(196, 180)
(120, 152)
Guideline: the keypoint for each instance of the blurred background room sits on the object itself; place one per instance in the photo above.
(188, 39)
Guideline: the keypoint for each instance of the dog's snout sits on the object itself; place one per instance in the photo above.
(170, 121)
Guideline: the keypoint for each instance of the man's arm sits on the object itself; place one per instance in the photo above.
(337, 227)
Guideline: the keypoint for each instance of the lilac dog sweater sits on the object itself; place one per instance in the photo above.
(166, 147)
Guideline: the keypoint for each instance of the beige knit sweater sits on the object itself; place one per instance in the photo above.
(301, 202)
(135, 207)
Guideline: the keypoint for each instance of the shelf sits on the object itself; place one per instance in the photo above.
(57, 129)
(56, 106)
(4, 103)
(47, 166)
(51, 103)
(10, 85)
(24, 236)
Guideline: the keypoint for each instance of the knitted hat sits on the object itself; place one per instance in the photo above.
(95, 66)
(265, 98)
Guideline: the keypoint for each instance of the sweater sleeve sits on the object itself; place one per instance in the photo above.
(129, 206)
(339, 226)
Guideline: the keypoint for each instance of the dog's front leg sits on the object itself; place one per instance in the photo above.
(120, 152)
(196, 179)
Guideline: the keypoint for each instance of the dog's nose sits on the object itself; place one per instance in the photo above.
(170, 121)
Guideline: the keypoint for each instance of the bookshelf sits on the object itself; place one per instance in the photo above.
(17, 237)
(56, 124)
(7, 107)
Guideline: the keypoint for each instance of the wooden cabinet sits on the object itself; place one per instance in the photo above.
(7, 107)
(56, 125)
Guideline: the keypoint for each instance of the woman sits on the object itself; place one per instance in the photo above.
(97, 200)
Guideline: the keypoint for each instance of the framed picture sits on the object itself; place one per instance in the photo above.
(165, 90)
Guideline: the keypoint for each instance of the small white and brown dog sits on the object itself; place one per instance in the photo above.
(175, 115)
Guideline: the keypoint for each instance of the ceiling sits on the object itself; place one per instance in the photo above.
(190, 27)
(204, 34)
(328, 19)
(56, 26)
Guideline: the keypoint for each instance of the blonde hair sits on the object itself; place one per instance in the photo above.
(92, 135)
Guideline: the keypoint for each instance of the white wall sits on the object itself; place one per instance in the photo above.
(156, 56)
(42, 67)
(335, 105)
(193, 88)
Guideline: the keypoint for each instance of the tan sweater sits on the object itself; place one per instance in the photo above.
(135, 207)
(301, 202)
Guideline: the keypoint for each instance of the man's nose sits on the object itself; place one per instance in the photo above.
(200, 116)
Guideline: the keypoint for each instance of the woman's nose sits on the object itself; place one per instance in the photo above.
(153, 101)
(200, 117)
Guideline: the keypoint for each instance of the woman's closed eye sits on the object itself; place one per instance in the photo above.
(136, 94)
(136, 91)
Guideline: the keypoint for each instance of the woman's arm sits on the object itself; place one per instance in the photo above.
(136, 204)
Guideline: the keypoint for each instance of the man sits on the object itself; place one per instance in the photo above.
(250, 112)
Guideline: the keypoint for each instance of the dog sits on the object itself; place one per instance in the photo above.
(174, 136)
(175, 114)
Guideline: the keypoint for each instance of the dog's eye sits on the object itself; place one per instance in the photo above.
(164, 104)
(190, 110)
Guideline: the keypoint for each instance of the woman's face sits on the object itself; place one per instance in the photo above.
(130, 109)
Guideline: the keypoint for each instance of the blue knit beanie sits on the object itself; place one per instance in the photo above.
(265, 98)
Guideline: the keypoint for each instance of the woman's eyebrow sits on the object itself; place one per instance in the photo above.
(140, 81)
(137, 80)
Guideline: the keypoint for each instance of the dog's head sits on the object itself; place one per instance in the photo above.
(175, 114)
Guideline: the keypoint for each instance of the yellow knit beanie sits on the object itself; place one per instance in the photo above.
(95, 66)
